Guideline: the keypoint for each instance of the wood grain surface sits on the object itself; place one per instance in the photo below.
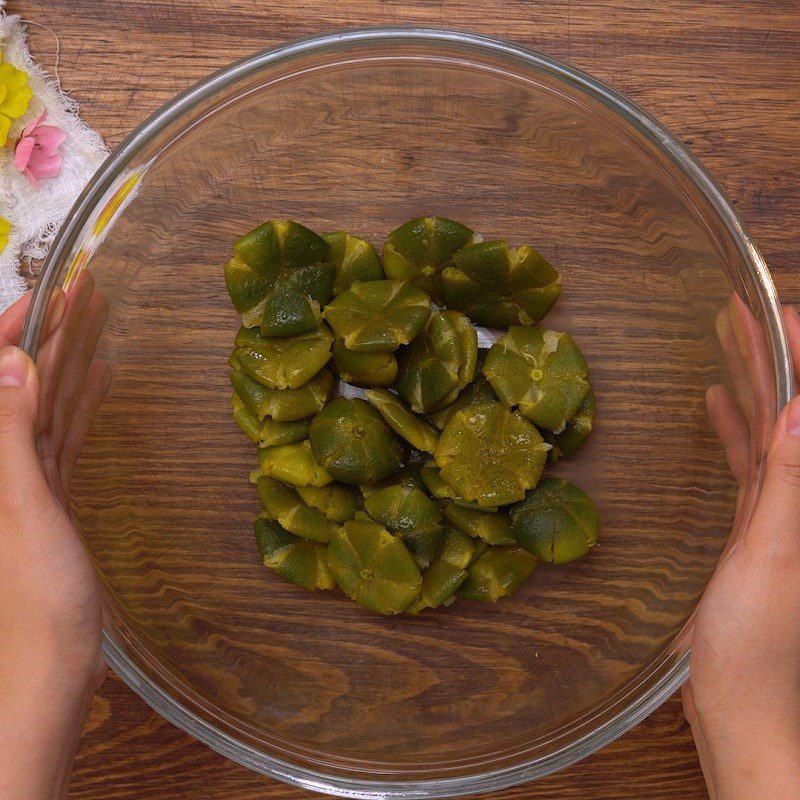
(724, 78)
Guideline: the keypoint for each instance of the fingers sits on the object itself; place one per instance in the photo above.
(52, 354)
(745, 352)
(21, 477)
(752, 347)
(12, 319)
(774, 531)
(745, 348)
(775, 528)
(96, 386)
(64, 361)
(730, 425)
(77, 361)
(736, 365)
(791, 320)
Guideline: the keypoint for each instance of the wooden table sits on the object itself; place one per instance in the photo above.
(723, 77)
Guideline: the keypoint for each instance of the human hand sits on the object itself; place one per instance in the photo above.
(743, 697)
(50, 612)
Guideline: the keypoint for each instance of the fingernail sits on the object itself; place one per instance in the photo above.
(87, 282)
(107, 375)
(793, 417)
(723, 326)
(741, 336)
(57, 306)
(83, 291)
(13, 367)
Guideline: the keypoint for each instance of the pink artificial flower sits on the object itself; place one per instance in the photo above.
(36, 153)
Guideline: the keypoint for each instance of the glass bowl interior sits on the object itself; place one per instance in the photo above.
(361, 132)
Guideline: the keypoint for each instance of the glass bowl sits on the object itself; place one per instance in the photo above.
(361, 131)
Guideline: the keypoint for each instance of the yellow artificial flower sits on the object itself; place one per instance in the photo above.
(15, 94)
(5, 127)
(5, 229)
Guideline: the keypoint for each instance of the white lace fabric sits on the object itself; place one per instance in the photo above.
(36, 216)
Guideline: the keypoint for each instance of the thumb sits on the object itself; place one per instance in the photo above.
(775, 526)
(20, 470)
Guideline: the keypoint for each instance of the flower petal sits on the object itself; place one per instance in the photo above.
(43, 165)
(34, 123)
(5, 126)
(49, 138)
(15, 103)
(5, 229)
(22, 152)
(32, 179)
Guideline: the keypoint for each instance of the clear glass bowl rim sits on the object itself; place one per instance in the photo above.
(638, 708)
